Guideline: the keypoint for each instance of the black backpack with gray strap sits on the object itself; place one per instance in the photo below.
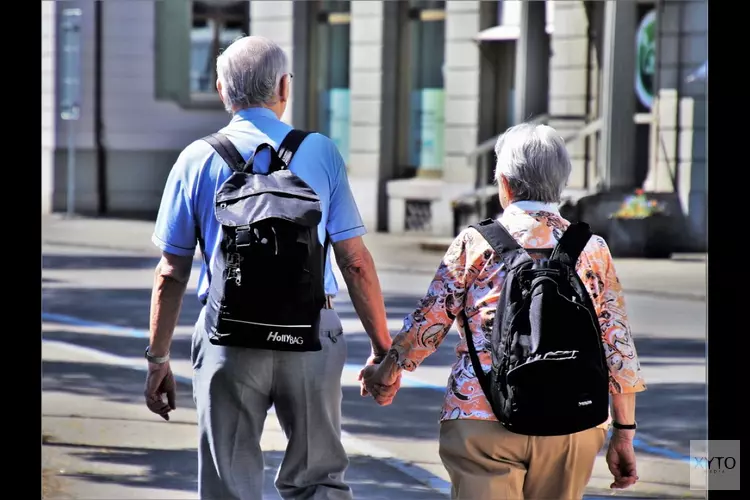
(549, 375)
(267, 279)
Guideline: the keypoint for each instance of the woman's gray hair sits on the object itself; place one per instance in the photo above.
(250, 70)
(534, 160)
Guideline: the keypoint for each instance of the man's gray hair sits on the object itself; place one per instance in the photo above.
(534, 160)
(250, 70)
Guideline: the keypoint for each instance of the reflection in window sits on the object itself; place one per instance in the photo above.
(332, 84)
(216, 24)
(427, 57)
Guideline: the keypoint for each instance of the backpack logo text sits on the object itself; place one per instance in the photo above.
(286, 338)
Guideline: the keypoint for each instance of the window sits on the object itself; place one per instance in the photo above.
(426, 58)
(332, 82)
(189, 37)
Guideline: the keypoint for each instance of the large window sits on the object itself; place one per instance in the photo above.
(426, 36)
(189, 37)
(332, 85)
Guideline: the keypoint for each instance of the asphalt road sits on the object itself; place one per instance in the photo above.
(98, 302)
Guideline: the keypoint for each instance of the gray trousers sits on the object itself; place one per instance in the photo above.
(233, 390)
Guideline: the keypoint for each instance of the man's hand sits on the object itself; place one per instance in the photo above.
(160, 380)
(374, 359)
(382, 381)
(621, 459)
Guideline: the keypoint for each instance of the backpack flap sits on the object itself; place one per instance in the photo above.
(248, 198)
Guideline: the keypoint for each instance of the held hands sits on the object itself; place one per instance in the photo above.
(621, 459)
(380, 380)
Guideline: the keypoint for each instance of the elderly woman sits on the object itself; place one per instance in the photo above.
(485, 460)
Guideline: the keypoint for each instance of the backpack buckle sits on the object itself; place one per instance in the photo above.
(243, 237)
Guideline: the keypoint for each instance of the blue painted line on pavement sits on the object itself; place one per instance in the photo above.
(413, 382)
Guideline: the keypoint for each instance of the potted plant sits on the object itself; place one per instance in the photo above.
(640, 228)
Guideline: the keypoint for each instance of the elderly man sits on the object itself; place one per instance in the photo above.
(234, 387)
(484, 459)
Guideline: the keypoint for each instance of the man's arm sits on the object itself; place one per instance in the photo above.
(358, 269)
(170, 282)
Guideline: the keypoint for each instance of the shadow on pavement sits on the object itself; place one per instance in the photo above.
(648, 346)
(91, 262)
(120, 345)
(109, 382)
(160, 469)
(177, 469)
(369, 478)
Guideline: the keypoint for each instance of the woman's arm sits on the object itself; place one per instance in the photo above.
(426, 327)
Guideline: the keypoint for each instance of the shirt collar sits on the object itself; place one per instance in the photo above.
(250, 114)
(533, 206)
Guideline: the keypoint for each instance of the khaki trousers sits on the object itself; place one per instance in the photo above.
(487, 462)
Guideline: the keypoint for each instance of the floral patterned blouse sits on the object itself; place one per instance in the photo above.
(471, 277)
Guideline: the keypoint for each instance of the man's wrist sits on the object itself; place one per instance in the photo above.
(156, 357)
(379, 352)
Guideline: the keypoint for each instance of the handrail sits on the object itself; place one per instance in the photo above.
(488, 190)
(489, 144)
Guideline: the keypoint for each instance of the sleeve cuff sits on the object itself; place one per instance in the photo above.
(174, 250)
(348, 234)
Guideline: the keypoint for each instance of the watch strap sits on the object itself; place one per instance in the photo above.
(159, 360)
(617, 425)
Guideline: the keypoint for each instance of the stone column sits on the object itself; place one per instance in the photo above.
(366, 94)
(49, 78)
(532, 62)
(617, 145)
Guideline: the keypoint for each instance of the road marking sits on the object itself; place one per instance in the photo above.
(409, 380)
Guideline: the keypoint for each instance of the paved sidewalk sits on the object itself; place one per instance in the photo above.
(680, 277)
(99, 441)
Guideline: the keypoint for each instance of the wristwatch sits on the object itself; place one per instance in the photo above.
(159, 360)
(630, 427)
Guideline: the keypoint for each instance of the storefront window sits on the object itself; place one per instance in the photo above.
(214, 27)
(426, 98)
(333, 75)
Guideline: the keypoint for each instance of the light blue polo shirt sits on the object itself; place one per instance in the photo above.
(198, 173)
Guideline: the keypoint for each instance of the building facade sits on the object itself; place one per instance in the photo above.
(408, 90)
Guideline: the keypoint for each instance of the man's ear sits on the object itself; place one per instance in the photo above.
(218, 89)
(284, 88)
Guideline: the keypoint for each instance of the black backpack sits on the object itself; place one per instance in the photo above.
(549, 375)
(267, 289)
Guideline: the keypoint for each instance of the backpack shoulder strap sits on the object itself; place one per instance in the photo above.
(289, 145)
(287, 149)
(502, 242)
(226, 150)
(572, 243)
